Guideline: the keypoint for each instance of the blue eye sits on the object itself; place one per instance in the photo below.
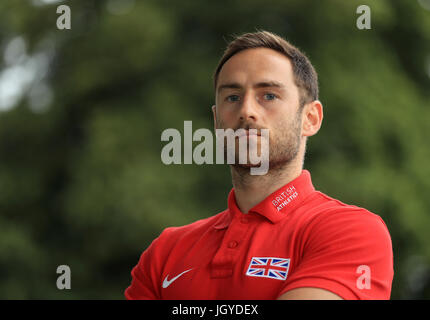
(269, 96)
(233, 98)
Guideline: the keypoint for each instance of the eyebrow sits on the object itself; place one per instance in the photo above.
(263, 84)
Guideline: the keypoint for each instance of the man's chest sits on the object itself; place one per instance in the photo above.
(242, 262)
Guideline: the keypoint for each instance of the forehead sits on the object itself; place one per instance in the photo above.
(254, 65)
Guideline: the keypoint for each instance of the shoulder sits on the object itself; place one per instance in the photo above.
(341, 245)
(171, 235)
(332, 220)
(178, 239)
(330, 209)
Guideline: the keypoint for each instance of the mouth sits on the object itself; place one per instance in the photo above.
(246, 132)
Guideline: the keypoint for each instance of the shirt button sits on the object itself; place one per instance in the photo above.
(244, 220)
(232, 244)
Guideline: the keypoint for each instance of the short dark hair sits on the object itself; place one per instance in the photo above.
(305, 76)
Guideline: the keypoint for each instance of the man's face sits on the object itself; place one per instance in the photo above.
(256, 89)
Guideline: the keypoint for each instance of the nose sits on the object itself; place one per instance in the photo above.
(248, 109)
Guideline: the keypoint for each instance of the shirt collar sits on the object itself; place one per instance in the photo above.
(277, 205)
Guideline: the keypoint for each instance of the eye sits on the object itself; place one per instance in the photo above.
(269, 96)
(233, 98)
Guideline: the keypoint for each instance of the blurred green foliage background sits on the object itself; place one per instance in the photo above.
(82, 111)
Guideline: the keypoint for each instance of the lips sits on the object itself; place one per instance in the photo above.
(246, 132)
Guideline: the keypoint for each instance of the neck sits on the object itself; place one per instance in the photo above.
(250, 190)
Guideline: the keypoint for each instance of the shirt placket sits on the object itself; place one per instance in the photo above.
(228, 254)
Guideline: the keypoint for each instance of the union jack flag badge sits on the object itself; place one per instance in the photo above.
(269, 267)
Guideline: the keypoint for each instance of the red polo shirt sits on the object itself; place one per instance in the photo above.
(296, 237)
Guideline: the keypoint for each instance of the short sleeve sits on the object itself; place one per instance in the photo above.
(348, 253)
(143, 285)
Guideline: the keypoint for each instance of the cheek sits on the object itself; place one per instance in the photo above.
(284, 126)
(280, 120)
(225, 115)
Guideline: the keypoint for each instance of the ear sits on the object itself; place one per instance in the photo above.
(214, 114)
(312, 118)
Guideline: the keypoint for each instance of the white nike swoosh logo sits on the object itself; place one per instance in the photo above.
(167, 283)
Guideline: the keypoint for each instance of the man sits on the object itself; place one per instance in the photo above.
(279, 238)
